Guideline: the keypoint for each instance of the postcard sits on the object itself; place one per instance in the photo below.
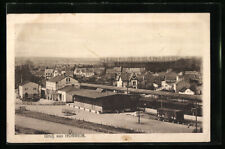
(108, 77)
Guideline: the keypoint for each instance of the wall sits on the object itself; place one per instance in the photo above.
(50, 85)
(120, 83)
(88, 106)
(29, 89)
(63, 83)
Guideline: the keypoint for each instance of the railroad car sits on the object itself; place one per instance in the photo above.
(171, 115)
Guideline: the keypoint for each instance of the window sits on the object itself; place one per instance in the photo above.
(67, 80)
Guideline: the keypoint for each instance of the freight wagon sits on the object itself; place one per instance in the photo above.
(170, 115)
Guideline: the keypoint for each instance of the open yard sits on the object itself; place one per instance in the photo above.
(117, 120)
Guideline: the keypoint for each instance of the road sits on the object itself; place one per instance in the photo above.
(50, 127)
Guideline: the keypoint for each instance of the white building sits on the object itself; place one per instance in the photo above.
(29, 90)
(186, 91)
(57, 83)
(49, 73)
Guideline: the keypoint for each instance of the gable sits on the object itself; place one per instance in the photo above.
(71, 79)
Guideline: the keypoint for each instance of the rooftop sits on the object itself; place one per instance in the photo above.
(68, 88)
(91, 93)
(57, 78)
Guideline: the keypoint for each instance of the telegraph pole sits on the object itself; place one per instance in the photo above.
(196, 117)
(195, 112)
(139, 117)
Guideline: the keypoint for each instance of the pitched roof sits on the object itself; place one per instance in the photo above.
(84, 70)
(49, 70)
(171, 76)
(133, 70)
(57, 78)
(125, 76)
(68, 88)
(91, 93)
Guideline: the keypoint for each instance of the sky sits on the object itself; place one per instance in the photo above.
(111, 35)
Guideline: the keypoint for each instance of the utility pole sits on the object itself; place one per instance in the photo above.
(21, 81)
(138, 113)
(127, 82)
(139, 117)
(196, 118)
(195, 112)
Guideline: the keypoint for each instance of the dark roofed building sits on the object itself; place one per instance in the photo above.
(103, 102)
(91, 93)
(171, 77)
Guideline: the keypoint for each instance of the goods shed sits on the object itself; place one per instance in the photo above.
(104, 102)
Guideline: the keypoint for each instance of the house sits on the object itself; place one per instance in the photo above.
(134, 70)
(63, 93)
(56, 83)
(55, 73)
(180, 84)
(103, 102)
(192, 75)
(69, 73)
(99, 70)
(170, 80)
(85, 72)
(127, 80)
(29, 90)
(49, 73)
(186, 91)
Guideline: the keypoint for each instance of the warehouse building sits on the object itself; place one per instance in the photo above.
(103, 101)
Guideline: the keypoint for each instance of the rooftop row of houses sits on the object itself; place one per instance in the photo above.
(67, 89)
(169, 81)
(89, 72)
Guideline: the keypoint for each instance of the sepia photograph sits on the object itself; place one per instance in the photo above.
(108, 77)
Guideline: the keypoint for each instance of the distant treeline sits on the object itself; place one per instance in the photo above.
(139, 59)
(191, 64)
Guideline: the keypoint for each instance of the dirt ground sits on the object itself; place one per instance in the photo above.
(118, 120)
